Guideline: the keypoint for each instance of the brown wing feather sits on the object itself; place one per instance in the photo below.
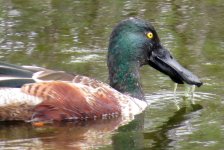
(84, 99)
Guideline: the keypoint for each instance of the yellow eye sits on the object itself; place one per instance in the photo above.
(149, 35)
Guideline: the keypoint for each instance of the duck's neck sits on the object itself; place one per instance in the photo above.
(124, 77)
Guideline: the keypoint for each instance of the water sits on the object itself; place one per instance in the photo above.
(73, 36)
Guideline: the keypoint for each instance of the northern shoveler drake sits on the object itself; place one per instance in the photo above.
(39, 94)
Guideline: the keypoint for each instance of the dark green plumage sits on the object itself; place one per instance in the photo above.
(127, 52)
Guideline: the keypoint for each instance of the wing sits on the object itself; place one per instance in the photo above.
(17, 76)
(73, 100)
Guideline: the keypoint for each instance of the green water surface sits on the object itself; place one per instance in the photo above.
(73, 35)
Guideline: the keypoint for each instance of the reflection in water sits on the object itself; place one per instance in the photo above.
(130, 136)
(70, 135)
(162, 132)
(169, 133)
(100, 133)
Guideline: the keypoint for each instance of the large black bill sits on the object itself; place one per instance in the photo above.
(162, 60)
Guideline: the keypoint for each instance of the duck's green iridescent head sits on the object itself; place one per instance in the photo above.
(133, 43)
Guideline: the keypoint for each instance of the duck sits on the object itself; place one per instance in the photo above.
(36, 94)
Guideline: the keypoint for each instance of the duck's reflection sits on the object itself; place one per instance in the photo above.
(166, 135)
(130, 136)
(69, 135)
(117, 133)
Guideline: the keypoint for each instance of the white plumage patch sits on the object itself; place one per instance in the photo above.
(10, 96)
